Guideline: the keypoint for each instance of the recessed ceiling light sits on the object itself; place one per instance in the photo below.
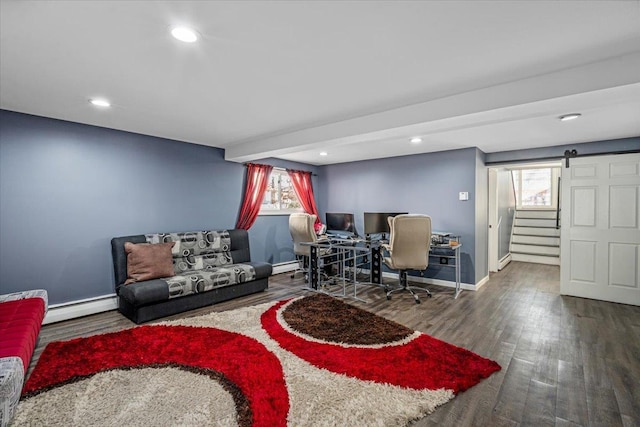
(323, 153)
(184, 34)
(416, 140)
(99, 102)
(567, 117)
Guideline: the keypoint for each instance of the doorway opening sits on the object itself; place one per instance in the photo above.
(524, 214)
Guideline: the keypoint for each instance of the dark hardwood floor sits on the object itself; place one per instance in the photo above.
(565, 361)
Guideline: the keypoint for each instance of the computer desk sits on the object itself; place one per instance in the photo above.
(349, 254)
(354, 249)
(445, 251)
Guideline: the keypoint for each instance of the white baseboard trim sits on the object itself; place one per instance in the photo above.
(85, 307)
(482, 282)
(504, 261)
(439, 282)
(284, 267)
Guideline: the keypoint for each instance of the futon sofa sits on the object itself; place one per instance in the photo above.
(21, 316)
(195, 269)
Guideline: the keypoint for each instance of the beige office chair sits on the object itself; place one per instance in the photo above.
(302, 231)
(408, 249)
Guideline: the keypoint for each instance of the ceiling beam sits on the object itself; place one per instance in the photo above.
(468, 109)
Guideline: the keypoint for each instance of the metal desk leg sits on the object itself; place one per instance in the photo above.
(313, 268)
(458, 267)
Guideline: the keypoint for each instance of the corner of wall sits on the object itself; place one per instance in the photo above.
(482, 216)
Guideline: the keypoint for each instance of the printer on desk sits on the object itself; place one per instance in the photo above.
(444, 239)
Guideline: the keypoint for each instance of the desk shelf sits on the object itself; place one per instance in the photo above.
(443, 253)
(451, 257)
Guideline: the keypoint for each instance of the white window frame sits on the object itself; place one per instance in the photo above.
(279, 172)
(555, 173)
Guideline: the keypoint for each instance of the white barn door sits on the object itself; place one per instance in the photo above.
(600, 234)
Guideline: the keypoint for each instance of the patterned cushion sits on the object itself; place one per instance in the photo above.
(211, 278)
(196, 250)
(194, 242)
(11, 381)
(201, 262)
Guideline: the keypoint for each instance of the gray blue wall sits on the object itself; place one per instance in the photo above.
(66, 189)
(426, 183)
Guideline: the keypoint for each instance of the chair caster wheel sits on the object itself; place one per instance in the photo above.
(417, 301)
(430, 296)
(389, 297)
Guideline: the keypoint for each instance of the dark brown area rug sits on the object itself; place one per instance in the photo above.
(308, 361)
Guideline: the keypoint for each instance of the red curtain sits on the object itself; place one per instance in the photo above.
(257, 180)
(301, 181)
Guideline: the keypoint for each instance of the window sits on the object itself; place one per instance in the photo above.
(536, 188)
(280, 197)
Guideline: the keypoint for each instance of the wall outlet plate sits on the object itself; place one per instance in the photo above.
(463, 195)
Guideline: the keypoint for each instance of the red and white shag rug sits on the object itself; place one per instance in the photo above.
(309, 361)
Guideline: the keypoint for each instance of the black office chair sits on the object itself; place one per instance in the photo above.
(408, 249)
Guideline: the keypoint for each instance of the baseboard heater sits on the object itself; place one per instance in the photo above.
(84, 307)
(504, 261)
(284, 267)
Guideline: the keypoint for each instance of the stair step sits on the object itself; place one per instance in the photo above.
(535, 249)
(537, 259)
(527, 222)
(536, 240)
(536, 214)
(536, 231)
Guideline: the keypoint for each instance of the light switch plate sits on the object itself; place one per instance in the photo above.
(463, 195)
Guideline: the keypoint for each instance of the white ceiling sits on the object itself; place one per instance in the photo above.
(356, 79)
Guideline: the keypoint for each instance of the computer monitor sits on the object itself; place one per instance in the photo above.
(341, 222)
(376, 222)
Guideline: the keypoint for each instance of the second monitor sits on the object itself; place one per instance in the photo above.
(376, 222)
(341, 222)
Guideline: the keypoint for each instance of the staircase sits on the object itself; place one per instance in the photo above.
(535, 237)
